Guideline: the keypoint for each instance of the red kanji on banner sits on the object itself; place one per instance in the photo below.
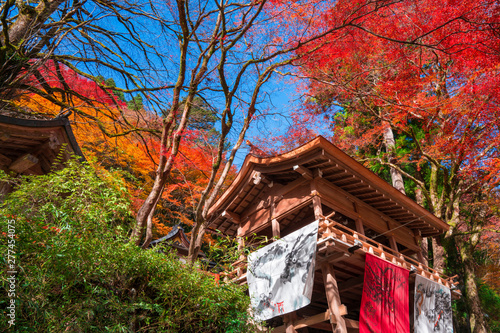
(385, 305)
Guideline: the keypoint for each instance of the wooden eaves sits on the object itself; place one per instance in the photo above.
(339, 174)
(30, 146)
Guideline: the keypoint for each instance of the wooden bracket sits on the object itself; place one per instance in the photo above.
(54, 142)
(231, 216)
(23, 163)
(319, 318)
(305, 172)
(257, 177)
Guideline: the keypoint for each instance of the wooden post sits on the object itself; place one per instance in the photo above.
(289, 319)
(241, 243)
(276, 228)
(394, 244)
(333, 297)
(318, 210)
(359, 226)
(274, 222)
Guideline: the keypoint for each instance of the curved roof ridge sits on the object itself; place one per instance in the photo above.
(336, 156)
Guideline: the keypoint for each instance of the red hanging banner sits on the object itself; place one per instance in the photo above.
(385, 305)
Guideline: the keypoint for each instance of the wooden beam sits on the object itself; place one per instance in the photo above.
(54, 142)
(305, 172)
(351, 283)
(257, 177)
(333, 298)
(4, 136)
(4, 160)
(231, 216)
(241, 243)
(34, 170)
(306, 322)
(332, 257)
(240, 189)
(422, 242)
(23, 163)
(350, 323)
(317, 173)
(277, 192)
(341, 201)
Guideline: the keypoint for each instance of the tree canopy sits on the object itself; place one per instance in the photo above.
(165, 93)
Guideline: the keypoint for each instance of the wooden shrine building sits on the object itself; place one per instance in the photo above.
(177, 239)
(30, 146)
(358, 213)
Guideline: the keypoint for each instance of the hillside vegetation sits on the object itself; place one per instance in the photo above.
(77, 272)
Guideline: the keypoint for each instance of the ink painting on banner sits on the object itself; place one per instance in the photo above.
(432, 307)
(280, 276)
(385, 303)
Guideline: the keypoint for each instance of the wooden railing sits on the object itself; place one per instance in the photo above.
(332, 230)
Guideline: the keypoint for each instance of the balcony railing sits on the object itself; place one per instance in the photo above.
(335, 237)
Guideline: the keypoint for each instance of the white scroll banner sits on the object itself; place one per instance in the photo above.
(433, 312)
(280, 276)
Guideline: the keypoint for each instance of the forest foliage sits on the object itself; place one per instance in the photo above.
(78, 272)
(423, 73)
(414, 94)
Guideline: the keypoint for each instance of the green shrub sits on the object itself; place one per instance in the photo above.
(78, 273)
(491, 304)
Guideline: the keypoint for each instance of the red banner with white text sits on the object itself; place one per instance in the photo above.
(385, 305)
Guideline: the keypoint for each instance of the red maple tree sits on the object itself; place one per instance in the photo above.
(425, 73)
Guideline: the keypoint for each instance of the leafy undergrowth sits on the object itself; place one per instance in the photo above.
(78, 273)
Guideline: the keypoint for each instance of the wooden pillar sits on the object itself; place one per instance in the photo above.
(318, 210)
(274, 222)
(359, 222)
(289, 320)
(359, 226)
(394, 244)
(276, 228)
(333, 297)
(241, 243)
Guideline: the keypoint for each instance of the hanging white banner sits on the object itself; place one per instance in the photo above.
(280, 276)
(432, 307)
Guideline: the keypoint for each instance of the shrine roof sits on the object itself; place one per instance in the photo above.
(336, 167)
(177, 230)
(40, 138)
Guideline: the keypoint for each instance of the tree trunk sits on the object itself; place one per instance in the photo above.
(424, 242)
(146, 209)
(195, 245)
(478, 323)
(438, 254)
(390, 144)
(30, 20)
